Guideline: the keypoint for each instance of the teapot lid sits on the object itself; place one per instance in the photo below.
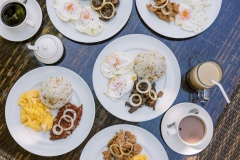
(47, 47)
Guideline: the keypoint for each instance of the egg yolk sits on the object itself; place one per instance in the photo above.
(185, 14)
(117, 62)
(86, 16)
(117, 83)
(69, 7)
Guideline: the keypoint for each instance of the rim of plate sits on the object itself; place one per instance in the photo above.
(101, 137)
(105, 101)
(84, 38)
(39, 140)
(147, 18)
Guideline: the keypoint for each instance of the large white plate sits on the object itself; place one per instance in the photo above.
(151, 147)
(169, 29)
(169, 83)
(38, 142)
(110, 28)
(35, 14)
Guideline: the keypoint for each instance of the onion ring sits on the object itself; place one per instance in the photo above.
(113, 7)
(159, 7)
(154, 94)
(148, 83)
(98, 8)
(164, 12)
(54, 129)
(71, 119)
(73, 112)
(131, 100)
(121, 150)
(119, 156)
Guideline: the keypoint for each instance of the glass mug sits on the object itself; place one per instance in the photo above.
(199, 78)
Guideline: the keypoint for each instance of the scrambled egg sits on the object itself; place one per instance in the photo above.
(139, 157)
(34, 113)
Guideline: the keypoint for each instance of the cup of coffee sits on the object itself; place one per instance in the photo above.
(14, 14)
(190, 128)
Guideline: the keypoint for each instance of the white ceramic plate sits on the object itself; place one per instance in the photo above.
(110, 28)
(169, 83)
(169, 29)
(25, 33)
(38, 142)
(173, 141)
(151, 147)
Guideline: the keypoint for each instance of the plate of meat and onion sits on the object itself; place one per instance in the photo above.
(114, 14)
(163, 16)
(168, 83)
(123, 142)
(72, 122)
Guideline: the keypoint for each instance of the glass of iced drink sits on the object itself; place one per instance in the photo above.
(200, 76)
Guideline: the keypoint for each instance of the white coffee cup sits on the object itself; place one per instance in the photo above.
(190, 128)
(24, 23)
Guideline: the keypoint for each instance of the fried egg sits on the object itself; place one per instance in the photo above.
(89, 22)
(116, 64)
(199, 3)
(120, 85)
(67, 9)
(191, 16)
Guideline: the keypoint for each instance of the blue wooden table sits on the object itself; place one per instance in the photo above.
(220, 43)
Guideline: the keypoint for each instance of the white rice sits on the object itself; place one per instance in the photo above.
(55, 92)
(150, 65)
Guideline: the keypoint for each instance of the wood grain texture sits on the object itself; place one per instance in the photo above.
(220, 42)
(226, 139)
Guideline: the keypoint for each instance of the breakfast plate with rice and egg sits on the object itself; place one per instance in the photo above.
(48, 107)
(136, 78)
(178, 18)
(89, 21)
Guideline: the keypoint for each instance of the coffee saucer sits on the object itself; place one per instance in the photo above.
(24, 34)
(173, 141)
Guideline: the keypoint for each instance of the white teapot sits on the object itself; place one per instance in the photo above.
(48, 49)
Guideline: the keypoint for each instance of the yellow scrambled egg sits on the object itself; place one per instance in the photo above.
(139, 157)
(34, 113)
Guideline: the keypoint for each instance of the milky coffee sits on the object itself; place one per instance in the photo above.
(191, 129)
(200, 76)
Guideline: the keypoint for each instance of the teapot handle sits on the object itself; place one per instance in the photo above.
(24, 1)
(35, 48)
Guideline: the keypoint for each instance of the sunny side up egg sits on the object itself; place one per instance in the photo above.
(88, 22)
(116, 64)
(67, 9)
(191, 16)
(120, 85)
